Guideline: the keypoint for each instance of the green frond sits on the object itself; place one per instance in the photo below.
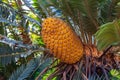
(7, 55)
(86, 7)
(89, 27)
(117, 9)
(31, 69)
(10, 16)
(91, 8)
(79, 12)
(7, 14)
(43, 65)
(39, 9)
(34, 7)
(115, 74)
(108, 34)
(32, 20)
(108, 10)
(16, 49)
(24, 71)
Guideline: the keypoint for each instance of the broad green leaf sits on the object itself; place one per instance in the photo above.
(108, 34)
(115, 74)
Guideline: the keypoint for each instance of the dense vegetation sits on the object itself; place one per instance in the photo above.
(24, 56)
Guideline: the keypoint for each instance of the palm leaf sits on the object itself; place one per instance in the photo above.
(16, 49)
(109, 34)
(25, 71)
(28, 71)
(6, 55)
(47, 62)
(7, 14)
(108, 10)
(88, 8)
(117, 8)
(36, 8)
(115, 74)
(78, 13)
(32, 20)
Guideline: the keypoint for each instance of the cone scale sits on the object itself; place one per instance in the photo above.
(61, 40)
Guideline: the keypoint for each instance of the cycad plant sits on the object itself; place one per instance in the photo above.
(81, 39)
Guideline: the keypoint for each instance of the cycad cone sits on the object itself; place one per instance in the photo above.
(62, 41)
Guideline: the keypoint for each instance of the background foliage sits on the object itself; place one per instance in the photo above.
(21, 47)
